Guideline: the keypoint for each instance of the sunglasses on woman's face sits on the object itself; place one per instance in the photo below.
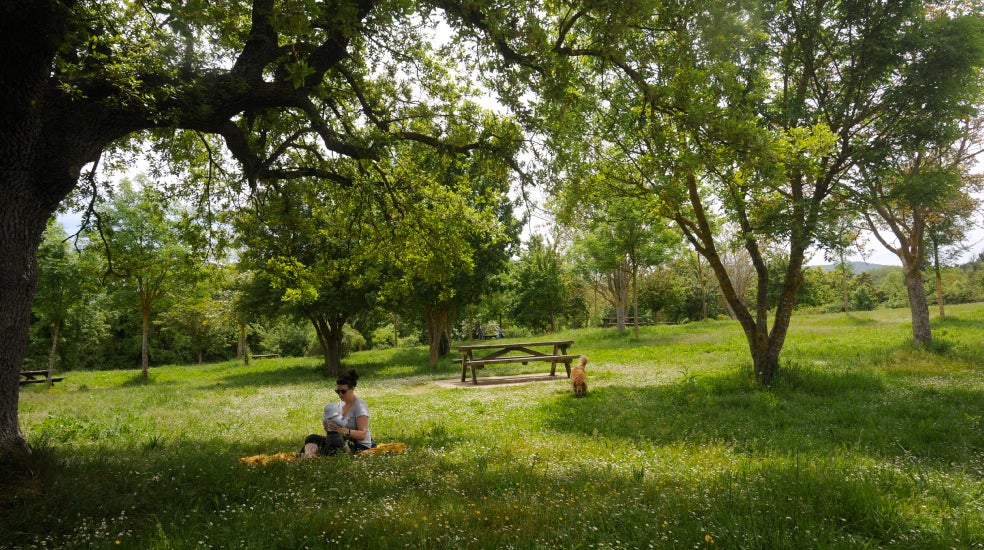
(341, 392)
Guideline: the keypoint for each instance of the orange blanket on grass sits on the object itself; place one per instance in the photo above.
(386, 448)
(259, 460)
(381, 448)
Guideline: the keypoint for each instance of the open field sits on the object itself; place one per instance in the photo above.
(863, 442)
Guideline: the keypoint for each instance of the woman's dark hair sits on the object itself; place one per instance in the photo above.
(349, 379)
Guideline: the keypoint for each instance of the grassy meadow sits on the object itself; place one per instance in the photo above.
(863, 442)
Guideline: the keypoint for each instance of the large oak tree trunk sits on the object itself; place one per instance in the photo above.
(32, 183)
(18, 281)
(27, 200)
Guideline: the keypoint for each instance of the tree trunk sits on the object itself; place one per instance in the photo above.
(145, 333)
(939, 292)
(847, 298)
(34, 177)
(635, 299)
(437, 322)
(329, 333)
(618, 286)
(333, 353)
(702, 285)
(922, 333)
(730, 310)
(396, 331)
(23, 216)
(18, 280)
(843, 267)
(939, 278)
(765, 345)
(53, 354)
(241, 341)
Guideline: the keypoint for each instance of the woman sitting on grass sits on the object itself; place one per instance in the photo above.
(348, 420)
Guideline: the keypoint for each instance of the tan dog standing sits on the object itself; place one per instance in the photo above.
(578, 379)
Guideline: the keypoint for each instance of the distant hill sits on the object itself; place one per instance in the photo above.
(857, 267)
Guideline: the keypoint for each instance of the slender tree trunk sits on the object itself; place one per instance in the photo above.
(843, 266)
(922, 333)
(241, 343)
(145, 333)
(53, 354)
(939, 292)
(847, 298)
(594, 302)
(396, 331)
(939, 278)
(635, 299)
(730, 310)
(702, 284)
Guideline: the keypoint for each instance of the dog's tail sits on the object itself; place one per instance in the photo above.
(583, 361)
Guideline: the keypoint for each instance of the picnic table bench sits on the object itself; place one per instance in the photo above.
(608, 322)
(266, 356)
(37, 377)
(500, 353)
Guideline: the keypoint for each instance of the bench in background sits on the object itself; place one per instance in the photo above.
(37, 377)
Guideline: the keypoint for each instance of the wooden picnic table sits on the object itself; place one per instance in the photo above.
(502, 353)
(37, 377)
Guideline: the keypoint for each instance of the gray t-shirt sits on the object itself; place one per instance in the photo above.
(359, 408)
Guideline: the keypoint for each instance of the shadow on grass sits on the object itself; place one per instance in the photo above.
(958, 323)
(137, 379)
(703, 332)
(385, 365)
(808, 411)
(179, 493)
(276, 376)
(399, 363)
(173, 492)
(850, 320)
(129, 381)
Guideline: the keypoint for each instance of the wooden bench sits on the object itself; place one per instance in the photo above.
(266, 356)
(498, 353)
(37, 377)
(609, 322)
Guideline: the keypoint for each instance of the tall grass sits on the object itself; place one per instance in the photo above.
(863, 441)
